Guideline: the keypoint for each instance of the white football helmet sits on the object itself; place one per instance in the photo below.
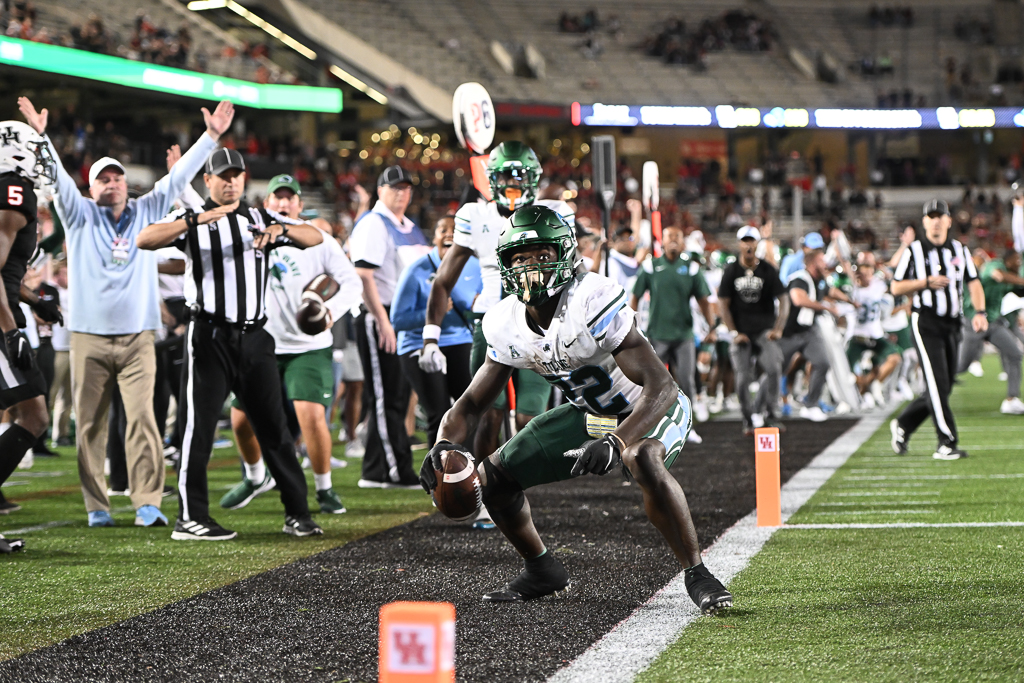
(25, 152)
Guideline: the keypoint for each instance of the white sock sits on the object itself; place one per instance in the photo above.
(256, 473)
(322, 481)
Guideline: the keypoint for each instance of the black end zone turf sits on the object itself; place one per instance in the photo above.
(316, 619)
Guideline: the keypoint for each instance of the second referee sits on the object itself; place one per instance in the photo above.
(226, 268)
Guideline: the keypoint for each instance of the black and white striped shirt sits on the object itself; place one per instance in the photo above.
(225, 277)
(923, 259)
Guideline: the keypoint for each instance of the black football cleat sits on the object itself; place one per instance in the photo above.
(705, 590)
(542, 577)
(10, 545)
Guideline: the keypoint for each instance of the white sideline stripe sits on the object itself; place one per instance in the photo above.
(634, 643)
(38, 527)
(907, 525)
(887, 493)
(935, 476)
(852, 503)
(873, 512)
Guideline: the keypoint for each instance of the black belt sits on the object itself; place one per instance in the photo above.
(244, 326)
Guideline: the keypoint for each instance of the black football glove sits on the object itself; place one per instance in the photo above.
(19, 351)
(48, 311)
(598, 456)
(428, 480)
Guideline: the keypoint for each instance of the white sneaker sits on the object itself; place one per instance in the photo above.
(342, 436)
(867, 402)
(694, 437)
(28, 460)
(814, 414)
(715, 407)
(337, 464)
(1002, 376)
(355, 449)
(1012, 406)
(757, 420)
(700, 411)
(879, 393)
(306, 464)
(976, 369)
(732, 402)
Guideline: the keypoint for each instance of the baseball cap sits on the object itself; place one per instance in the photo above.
(222, 159)
(935, 206)
(814, 240)
(748, 232)
(103, 164)
(394, 175)
(284, 180)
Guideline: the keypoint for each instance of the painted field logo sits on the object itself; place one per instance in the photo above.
(766, 443)
(412, 649)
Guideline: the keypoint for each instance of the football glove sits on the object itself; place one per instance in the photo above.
(432, 360)
(428, 479)
(597, 456)
(48, 311)
(19, 351)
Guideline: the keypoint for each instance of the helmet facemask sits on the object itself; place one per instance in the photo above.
(538, 282)
(513, 186)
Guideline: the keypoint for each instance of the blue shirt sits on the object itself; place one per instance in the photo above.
(112, 296)
(791, 263)
(409, 305)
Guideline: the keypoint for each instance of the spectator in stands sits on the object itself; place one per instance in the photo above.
(436, 390)
(113, 335)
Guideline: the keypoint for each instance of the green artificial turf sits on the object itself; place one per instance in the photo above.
(72, 578)
(927, 604)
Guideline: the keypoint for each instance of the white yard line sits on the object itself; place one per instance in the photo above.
(905, 525)
(873, 512)
(637, 641)
(930, 477)
(877, 502)
(887, 493)
(38, 527)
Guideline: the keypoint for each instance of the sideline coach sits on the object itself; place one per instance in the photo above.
(934, 270)
(227, 249)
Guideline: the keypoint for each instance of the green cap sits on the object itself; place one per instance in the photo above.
(284, 180)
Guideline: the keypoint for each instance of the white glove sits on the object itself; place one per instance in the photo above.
(432, 360)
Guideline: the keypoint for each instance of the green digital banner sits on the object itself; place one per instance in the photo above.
(69, 62)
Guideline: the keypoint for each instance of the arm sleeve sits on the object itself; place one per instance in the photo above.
(170, 218)
(159, 200)
(69, 203)
(905, 268)
(406, 314)
(350, 292)
(368, 242)
(463, 228)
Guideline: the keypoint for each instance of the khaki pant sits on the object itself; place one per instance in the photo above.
(60, 394)
(96, 363)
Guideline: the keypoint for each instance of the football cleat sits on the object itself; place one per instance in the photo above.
(10, 545)
(949, 453)
(301, 526)
(705, 590)
(243, 492)
(899, 438)
(534, 583)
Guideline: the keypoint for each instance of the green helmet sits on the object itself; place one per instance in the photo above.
(536, 283)
(513, 161)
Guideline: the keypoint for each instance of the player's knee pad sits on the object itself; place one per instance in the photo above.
(500, 490)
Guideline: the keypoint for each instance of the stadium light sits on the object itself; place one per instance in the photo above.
(867, 118)
(255, 20)
(358, 84)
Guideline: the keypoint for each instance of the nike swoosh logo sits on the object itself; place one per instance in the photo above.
(568, 344)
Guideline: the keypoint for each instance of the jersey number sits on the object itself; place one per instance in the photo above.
(14, 196)
(591, 382)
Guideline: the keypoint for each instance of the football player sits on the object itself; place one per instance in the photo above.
(25, 164)
(513, 171)
(875, 303)
(577, 331)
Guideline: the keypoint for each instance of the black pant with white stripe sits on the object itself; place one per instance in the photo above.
(220, 359)
(938, 344)
(388, 458)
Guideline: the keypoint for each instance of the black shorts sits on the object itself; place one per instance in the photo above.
(17, 386)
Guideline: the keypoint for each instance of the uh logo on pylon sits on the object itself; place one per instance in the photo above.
(417, 642)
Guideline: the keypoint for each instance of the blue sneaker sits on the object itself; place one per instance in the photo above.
(787, 410)
(149, 515)
(826, 408)
(100, 518)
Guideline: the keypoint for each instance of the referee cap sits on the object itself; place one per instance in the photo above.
(938, 206)
(223, 159)
(103, 164)
(286, 181)
(394, 175)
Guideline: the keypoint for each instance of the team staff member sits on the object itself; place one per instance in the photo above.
(304, 361)
(384, 242)
(226, 269)
(750, 287)
(672, 282)
(934, 270)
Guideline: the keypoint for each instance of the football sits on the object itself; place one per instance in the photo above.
(458, 494)
(312, 316)
(323, 285)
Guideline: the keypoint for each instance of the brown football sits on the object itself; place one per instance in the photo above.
(458, 494)
(312, 316)
(324, 285)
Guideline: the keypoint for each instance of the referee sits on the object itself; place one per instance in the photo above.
(934, 270)
(227, 249)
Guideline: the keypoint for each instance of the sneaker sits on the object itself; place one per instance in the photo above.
(42, 451)
(483, 520)
(100, 518)
(337, 464)
(899, 438)
(149, 515)
(826, 408)
(949, 453)
(694, 437)
(205, 530)
(732, 402)
(700, 411)
(1002, 376)
(171, 456)
(787, 410)
(1012, 406)
(168, 492)
(757, 420)
(867, 402)
(976, 369)
(705, 590)
(305, 464)
(551, 579)
(355, 449)
(28, 460)
(716, 405)
(330, 502)
(245, 491)
(119, 492)
(814, 414)
(10, 545)
(301, 526)
(223, 443)
(370, 484)
(879, 393)
(7, 507)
